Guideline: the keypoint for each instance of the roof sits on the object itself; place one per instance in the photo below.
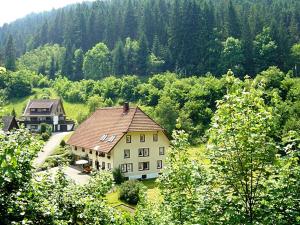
(51, 104)
(9, 122)
(111, 123)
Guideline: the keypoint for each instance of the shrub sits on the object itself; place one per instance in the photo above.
(118, 176)
(45, 136)
(62, 143)
(130, 191)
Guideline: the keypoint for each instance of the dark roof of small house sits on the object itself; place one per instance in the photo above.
(113, 123)
(9, 122)
(51, 104)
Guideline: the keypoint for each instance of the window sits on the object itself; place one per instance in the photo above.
(75, 148)
(155, 137)
(126, 153)
(142, 138)
(103, 137)
(126, 167)
(33, 127)
(91, 152)
(83, 150)
(161, 150)
(143, 152)
(108, 166)
(103, 165)
(159, 164)
(112, 138)
(128, 138)
(143, 166)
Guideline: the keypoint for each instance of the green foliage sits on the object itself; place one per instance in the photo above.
(47, 56)
(10, 54)
(264, 50)
(232, 56)
(95, 102)
(97, 62)
(181, 182)
(17, 151)
(16, 84)
(118, 176)
(130, 191)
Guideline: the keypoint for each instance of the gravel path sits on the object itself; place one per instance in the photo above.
(49, 147)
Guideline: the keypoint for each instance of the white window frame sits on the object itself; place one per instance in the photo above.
(155, 137)
(126, 156)
(159, 164)
(161, 150)
(143, 152)
(142, 138)
(141, 166)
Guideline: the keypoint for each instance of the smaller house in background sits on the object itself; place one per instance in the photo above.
(9, 123)
(48, 111)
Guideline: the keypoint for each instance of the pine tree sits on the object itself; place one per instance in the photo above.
(10, 54)
(130, 22)
(119, 59)
(78, 63)
(142, 56)
(52, 68)
(233, 26)
(67, 67)
(13, 112)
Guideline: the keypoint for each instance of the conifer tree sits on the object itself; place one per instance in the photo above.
(119, 59)
(130, 21)
(52, 68)
(142, 56)
(67, 67)
(233, 27)
(78, 63)
(10, 54)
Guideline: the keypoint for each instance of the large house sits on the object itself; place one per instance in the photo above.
(48, 111)
(122, 137)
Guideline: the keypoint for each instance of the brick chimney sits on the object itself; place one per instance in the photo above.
(126, 107)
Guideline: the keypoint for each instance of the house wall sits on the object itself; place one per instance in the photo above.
(93, 157)
(118, 153)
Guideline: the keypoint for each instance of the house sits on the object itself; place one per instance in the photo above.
(122, 137)
(9, 123)
(49, 111)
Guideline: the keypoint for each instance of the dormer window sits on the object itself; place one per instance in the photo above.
(103, 137)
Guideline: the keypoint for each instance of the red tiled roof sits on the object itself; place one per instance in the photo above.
(111, 122)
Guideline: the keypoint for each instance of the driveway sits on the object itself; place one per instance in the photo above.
(49, 147)
(74, 173)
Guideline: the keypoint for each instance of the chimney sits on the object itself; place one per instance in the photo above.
(126, 107)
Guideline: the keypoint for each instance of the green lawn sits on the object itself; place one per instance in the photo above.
(152, 191)
(72, 109)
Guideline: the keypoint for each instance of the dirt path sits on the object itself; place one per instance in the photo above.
(49, 147)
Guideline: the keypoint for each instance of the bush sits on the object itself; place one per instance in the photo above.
(118, 176)
(130, 191)
(62, 143)
(45, 136)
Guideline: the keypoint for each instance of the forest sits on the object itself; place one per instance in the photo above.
(220, 76)
(186, 37)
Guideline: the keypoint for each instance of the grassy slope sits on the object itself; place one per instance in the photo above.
(72, 109)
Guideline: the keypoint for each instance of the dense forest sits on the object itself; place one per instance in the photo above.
(151, 36)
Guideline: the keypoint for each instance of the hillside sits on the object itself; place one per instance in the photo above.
(189, 37)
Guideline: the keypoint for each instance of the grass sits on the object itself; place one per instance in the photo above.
(72, 109)
(152, 192)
